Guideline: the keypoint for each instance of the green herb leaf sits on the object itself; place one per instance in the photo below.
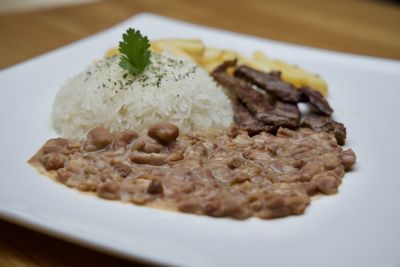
(135, 52)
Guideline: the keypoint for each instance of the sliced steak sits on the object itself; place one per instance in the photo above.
(283, 114)
(270, 82)
(317, 100)
(323, 123)
(246, 121)
(254, 100)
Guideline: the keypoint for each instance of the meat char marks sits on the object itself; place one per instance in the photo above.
(271, 83)
(278, 114)
(256, 112)
(317, 100)
(246, 121)
(253, 99)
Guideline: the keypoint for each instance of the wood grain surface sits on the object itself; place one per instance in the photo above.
(355, 26)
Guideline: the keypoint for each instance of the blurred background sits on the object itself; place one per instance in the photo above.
(7, 6)
(368, 27)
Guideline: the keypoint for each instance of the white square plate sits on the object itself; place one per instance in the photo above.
(360, 226)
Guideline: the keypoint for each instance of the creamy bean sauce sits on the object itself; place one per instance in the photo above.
(217, 173)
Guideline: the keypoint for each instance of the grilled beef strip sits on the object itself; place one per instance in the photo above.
(317, 100)
(283, 114)
(246, 121)
(323, 123)
(254, 100)
(271, 82)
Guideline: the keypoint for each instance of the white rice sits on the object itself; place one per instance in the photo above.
(170, 89)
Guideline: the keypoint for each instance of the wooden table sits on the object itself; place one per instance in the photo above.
(355, 26)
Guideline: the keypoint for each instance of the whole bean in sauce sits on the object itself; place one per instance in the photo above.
(99, 138)
(212, 172)
(164, 132)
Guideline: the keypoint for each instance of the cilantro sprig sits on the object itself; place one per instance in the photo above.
(135, 51)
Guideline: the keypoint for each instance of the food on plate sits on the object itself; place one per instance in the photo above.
(155, 129)
(170, 89)
(254, 112)
(211, 57)
(213, 172)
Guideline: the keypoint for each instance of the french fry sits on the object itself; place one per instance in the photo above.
(300, 77)
(292, 74)
(261, 57)
(211, 54)
(112, 52)
(229, 55)
(177, 52)
(193, 47)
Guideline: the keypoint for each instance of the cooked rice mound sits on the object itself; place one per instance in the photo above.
(170, 89)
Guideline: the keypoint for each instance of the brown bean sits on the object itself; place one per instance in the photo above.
(138, 145)
(190, 205)
(140, 198)
(330, 161)
(327, 184)
(126, 137)
(238, 210)
(63, 175)
(152, 148)
(148, 158)
(297, 202)
(155, 187)
(272, 148)
(52, 160)
(113, 153)
(164, 132)
(235, 163)
(200, 149)
(348, 159)
(122, 169)
(310, 188)
(108, 190)
(297, 163)
(187, 187)
(299, 150)
(274, 202)
(99, 138)
(90, 170)
(290, 177)
(88, 186)
(55, 145)
(204, 173)
(240, 179)
(257, 179)
(57, 142)
(273, 213)
(215, 208)
(256, 205)
(73, 145)
(76, 165)
(310, 169)
(175, 156)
